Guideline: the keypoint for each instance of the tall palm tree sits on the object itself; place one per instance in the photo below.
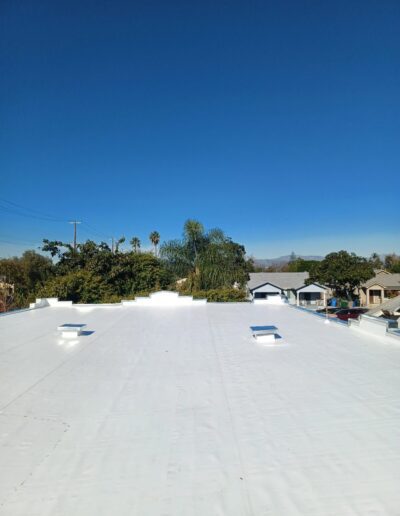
(193, 234)
(154, 239)
(207, 259)
(135, 243)
(118, 243)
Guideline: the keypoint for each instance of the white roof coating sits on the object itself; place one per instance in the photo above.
(164, 411)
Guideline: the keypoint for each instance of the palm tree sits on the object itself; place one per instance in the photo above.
(135, 243)
(118, 243)
(207, 260)
(154, 239)
(193, 234)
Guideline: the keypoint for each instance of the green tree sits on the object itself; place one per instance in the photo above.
(54, 247)
(105, 275)
(223, 295)
(208, 260)
(376, 261)
(118, 243)
(193, 234)
(392, 263)
(251, 266)
(342, 272)
(94, 273)
(79, 286)
(88, 254)
(301, 265)
(135, 243)
(221, 264)
(27, 273)
(154, 239)
(138, 272)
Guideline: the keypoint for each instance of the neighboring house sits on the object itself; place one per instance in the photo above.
(380, 288)
(389, 309)
(292, 285)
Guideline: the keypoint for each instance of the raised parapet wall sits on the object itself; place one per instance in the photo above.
(157, 299)
(49, 301)
(39, 303)
(372, 325)
(165, 299)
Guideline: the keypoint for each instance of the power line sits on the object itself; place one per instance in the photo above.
(18, 242)
(14, 208)
(37, 212)
(23, 211)
(12, 211)
(94, 231)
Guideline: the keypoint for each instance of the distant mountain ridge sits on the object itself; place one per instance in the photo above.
(266, 262)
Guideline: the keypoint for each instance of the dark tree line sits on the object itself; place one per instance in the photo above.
(202, 263)
(95, 273)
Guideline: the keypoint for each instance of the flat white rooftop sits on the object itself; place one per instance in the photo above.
(178, 412)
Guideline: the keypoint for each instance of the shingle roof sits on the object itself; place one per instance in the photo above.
(385, 280)
(284, 280)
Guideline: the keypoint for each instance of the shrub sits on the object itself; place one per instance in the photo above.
(78, 287)
(223, 295)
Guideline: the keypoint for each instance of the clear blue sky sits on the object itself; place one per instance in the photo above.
(276, 121)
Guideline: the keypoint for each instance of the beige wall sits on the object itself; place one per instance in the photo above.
(379, 297)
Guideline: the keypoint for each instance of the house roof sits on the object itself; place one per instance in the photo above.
(177, 410)
(384, 279)
(313, 287)
(283, 280)
(391, 305)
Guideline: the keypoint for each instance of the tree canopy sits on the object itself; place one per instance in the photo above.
(154, 238)
(208, 260)
(392, 263)
(135, 243)
(376, 261)
(342, 272)
(94, 273)
(27, 273)
(301, 265)
(205, 263)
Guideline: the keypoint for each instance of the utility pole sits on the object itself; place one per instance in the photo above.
(112, 245)
(75, 222)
